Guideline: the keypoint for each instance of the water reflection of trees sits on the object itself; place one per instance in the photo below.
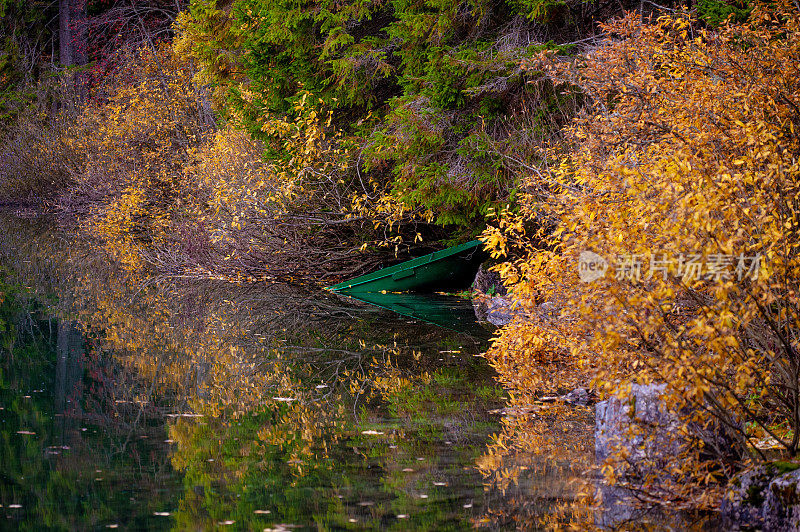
(284, 399)
(290, 385)
(280, 396)
(539, 463)
(194, 337)
(58, 470)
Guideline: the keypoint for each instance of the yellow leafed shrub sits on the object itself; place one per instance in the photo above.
(136, 141)
(682, 180)
(160, 187)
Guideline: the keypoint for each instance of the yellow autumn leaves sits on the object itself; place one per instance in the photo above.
(164, 185)
(688, 149)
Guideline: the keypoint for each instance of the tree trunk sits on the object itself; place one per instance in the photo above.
(64, 33)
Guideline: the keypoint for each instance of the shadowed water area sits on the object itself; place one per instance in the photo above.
(136, 403)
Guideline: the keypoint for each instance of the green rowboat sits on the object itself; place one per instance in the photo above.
(449, 269)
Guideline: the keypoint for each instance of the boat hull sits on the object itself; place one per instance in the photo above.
(449, 269)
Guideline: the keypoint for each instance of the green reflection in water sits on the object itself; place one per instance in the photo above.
(445, 311)
(356, 425)
(60, 466)
(321, 411)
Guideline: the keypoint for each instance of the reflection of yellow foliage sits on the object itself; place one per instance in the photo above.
(697, 153)
(387, 378)
(540, 455)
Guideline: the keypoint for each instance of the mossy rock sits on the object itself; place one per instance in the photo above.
(766, 497)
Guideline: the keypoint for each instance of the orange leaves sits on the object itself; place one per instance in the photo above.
(687, 151)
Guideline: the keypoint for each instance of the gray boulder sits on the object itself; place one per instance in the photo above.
(639, 425)
(782, 504)
(578, 396)
(766, 497)
(501, 310)
(640, 428)
(497, 310)
(648, 433)
(488, 282)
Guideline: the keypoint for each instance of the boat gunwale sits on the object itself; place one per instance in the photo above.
(411, 264)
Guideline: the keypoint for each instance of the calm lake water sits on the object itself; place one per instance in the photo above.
(133, 403)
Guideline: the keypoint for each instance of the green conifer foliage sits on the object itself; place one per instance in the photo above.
(431, 93)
